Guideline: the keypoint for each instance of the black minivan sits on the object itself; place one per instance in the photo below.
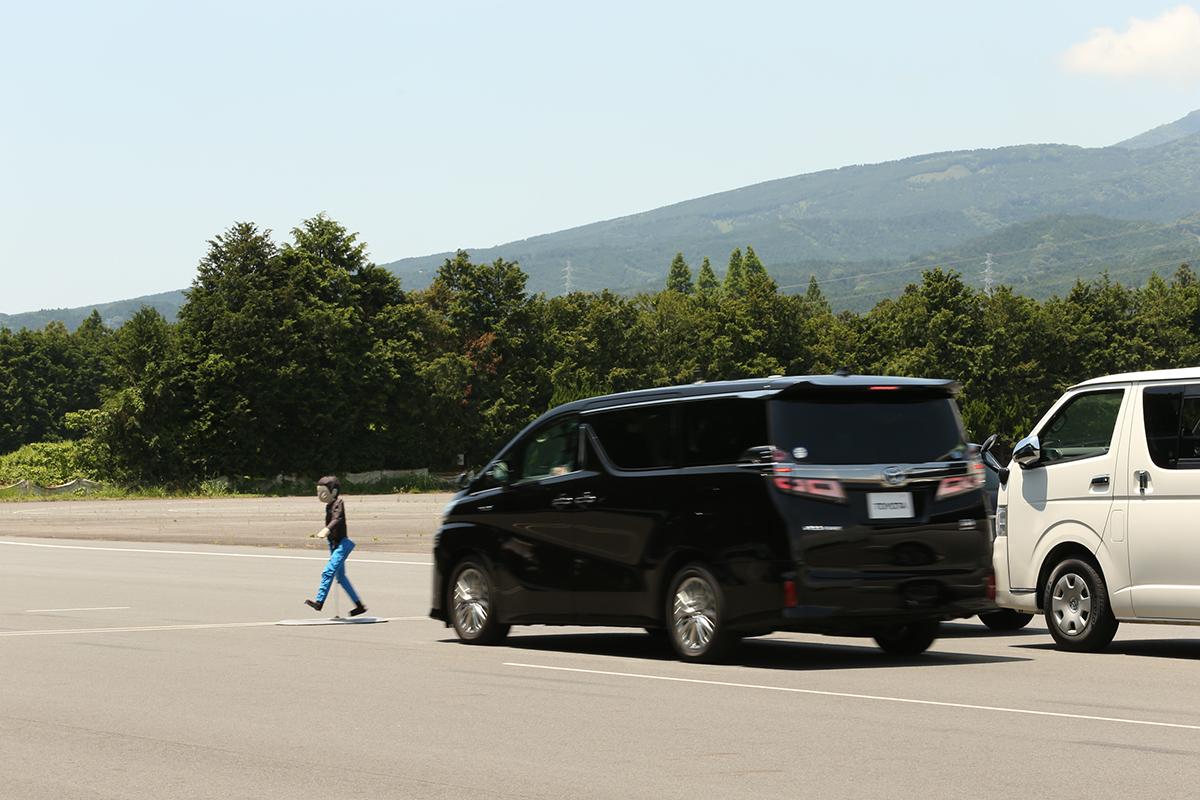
(840, 504)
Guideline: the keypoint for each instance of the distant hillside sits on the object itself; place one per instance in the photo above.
(882, 212)
(1165, 133)
(1048, 213)
(113, 314)
(1038, 258)
(1046, 256)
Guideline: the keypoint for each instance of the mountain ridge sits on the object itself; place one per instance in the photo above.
(860, 218)
(892, 210)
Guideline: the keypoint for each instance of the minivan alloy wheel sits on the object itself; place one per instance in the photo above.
(472, 603)
(1071, 604)
(695, 615)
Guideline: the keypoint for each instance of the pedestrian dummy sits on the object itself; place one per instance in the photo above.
(329, 492)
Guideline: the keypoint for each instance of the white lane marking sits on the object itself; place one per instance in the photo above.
(141, 628)
(209, 553)
(850, 695)
(136, 629)
(92, 608)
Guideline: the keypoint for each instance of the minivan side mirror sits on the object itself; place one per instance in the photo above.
(1028, 452)
(464, 479)
(989, 458)
(763, 454)
(499, 473)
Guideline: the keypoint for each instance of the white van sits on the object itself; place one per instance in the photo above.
(1098, 515)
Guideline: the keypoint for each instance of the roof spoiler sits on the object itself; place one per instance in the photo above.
(872, 385)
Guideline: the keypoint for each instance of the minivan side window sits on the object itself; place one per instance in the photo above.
(636, 438)
(718, 432)
(553, 450)
(1083, 428)
(1172, 418)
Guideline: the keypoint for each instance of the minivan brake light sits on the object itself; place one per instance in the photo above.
(787, 480)
(950, 487)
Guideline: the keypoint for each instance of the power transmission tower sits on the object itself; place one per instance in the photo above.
(568, 276)
(989, 275)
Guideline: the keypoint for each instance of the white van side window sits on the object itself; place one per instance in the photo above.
(1172, 420)
(1083, 428)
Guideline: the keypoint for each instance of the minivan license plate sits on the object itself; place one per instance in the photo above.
(889, 505)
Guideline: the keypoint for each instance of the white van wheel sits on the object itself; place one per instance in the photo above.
(1075, 602)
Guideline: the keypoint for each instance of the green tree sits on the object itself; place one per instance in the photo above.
(278, 352)
(679, 276)
(92, 366)
(38, 384)
(706, 280)
(815, 297)
(755, 277)
(734, 285)
(137, 435)
(489, 377)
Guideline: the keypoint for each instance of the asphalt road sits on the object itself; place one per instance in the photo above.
(386, 522)
(156, 671)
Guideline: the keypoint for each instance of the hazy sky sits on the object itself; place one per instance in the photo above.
(133, 132)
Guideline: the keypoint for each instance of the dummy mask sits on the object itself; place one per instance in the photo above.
(324, 495)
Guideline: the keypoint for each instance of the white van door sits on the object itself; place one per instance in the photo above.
(1164, 504)
(1071, 489)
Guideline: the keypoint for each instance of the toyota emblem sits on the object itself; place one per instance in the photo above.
(893, 476)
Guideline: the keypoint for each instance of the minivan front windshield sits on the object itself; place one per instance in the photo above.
(858, 430)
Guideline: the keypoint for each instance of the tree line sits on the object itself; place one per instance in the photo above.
(303, 357)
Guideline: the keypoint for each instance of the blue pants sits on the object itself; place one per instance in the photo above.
(336, 568)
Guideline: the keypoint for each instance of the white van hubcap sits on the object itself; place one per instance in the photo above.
(1071, 604)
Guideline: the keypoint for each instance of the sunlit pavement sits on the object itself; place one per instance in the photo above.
(155, 671)
(391, 522)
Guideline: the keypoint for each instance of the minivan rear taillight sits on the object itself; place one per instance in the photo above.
(950, 487)
(789, 480)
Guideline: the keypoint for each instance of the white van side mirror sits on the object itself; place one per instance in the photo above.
(1028, 452)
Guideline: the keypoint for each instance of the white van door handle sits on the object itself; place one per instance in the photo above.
(1143, 479)
(1100, 482)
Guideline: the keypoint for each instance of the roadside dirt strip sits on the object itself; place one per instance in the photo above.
(402, 523)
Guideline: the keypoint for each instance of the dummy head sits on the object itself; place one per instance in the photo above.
(328, 488)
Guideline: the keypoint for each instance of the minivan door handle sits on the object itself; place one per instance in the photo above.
(1100, 482)
(562, 502)
(1143, 479)
(586, 499)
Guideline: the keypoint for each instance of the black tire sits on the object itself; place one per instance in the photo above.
(1006, 619)
(471, 604)
(908, 640)
(1086, 625)
(694, 616)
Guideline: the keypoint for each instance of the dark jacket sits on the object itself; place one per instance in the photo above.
(335, 520)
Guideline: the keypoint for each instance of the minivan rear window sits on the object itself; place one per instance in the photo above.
(719, 432)
(853, 430)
